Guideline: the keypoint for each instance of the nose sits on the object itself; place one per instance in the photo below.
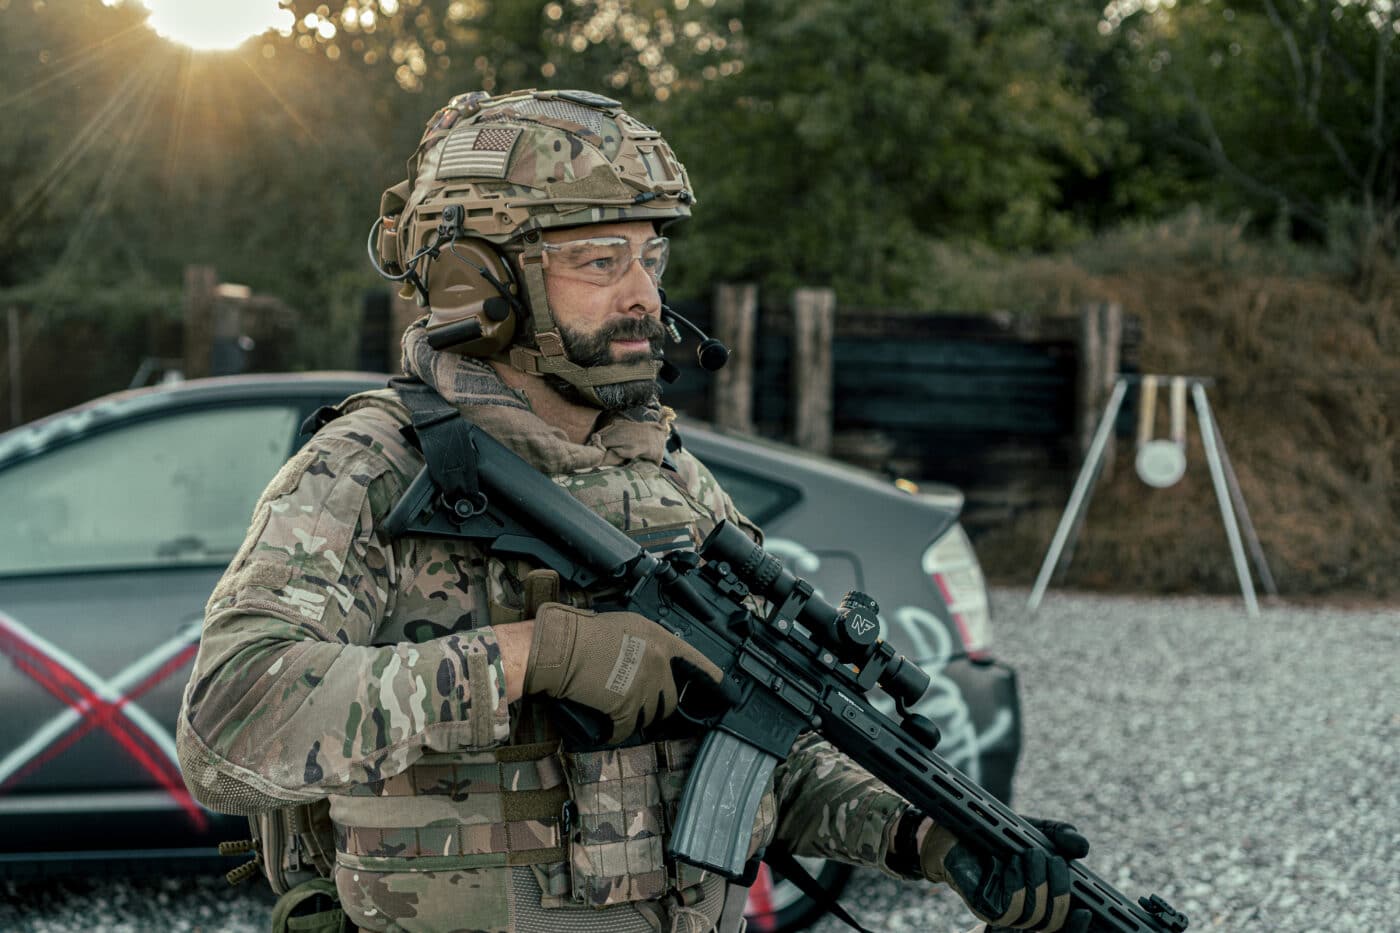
(639, 292)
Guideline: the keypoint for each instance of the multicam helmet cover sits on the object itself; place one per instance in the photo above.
(503, 169)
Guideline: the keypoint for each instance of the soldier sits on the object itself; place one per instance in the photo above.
(399, 691)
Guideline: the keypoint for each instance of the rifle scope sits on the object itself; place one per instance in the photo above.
(851, 633)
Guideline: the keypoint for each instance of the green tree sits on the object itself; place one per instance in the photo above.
(830, 141)
(1285, 108)
(128, 157)
(855, 134)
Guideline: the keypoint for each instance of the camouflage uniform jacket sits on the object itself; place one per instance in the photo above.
(337, 664)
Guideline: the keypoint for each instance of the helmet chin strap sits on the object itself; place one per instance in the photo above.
(551, 358)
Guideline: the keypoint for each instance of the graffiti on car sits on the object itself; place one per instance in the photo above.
(94, 702)
(927, 642)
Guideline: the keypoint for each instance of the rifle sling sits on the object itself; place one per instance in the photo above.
(792, 870)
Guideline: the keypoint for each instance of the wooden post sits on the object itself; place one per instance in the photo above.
(731, 401)
(1111, 327)
(1100, 342)
(813, 324)
(1090, 376)
(200, 285)
(16, 382)
(227, 353)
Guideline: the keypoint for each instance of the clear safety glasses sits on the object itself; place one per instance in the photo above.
(604, 260)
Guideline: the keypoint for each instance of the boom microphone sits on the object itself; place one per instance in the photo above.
(711, 354)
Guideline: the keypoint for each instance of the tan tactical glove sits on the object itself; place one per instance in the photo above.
(1028, 892)
(620, 663)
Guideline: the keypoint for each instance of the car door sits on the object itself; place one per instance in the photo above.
(109, 547)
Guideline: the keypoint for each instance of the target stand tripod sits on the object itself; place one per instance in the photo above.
(1161, 463)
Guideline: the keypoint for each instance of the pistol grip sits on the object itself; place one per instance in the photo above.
(582, 728)
(714, 823)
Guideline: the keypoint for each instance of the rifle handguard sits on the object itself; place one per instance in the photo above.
(714, 823)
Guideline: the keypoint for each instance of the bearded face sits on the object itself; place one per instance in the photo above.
(595, 349)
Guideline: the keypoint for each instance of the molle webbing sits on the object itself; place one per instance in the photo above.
(471, 810)
(622, 797)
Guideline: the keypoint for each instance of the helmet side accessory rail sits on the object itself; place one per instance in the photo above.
(410, 273)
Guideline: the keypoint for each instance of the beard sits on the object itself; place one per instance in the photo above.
(596, 350)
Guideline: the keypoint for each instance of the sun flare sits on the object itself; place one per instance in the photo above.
(209, 25)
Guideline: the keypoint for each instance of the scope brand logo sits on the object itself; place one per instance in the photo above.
(926, 641)
(96, 703)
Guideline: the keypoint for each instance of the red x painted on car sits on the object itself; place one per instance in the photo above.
(96, 703)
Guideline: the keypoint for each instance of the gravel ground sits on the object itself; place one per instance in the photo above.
(1246, 770)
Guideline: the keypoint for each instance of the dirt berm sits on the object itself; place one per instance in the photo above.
(1307, 395)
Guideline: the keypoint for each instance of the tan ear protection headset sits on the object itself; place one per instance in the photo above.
(469, 289)
(471, 293)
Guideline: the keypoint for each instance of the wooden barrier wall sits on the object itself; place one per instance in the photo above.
(995, 404)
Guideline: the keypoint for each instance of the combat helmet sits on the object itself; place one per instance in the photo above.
(488, 176)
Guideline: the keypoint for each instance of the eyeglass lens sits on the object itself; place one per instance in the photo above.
(605, 260)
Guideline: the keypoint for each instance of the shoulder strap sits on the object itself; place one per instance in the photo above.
(673, 444)
(318, 419)
(440, 434)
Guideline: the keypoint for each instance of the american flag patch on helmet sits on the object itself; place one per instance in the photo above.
(478, 151)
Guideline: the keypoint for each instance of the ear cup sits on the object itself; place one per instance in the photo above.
(469, 313)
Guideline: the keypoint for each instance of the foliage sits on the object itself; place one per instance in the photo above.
(1305, 385)
(136, 158)
(637, 48)
(1287, 108)
(869, 146)
(854, 134)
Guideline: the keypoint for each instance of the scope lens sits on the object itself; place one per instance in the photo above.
(759, 570)
(905, 681)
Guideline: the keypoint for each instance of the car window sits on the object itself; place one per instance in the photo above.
(761, 499)
(177, 489)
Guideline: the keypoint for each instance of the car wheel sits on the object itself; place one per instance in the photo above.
(776, 905)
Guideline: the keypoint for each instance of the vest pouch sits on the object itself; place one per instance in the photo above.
(676, 758)
(624, 800)
(438, 841)
(310, 907)
(295, 844)
(616, 843)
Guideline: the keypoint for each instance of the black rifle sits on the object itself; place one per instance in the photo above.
(804, 665)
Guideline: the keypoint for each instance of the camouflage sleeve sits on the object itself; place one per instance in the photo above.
(831, 807)
(289, 699)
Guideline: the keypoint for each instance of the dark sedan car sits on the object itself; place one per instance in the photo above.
(118, 517)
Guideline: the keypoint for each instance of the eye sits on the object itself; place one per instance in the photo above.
(653, 256)
(591, 258)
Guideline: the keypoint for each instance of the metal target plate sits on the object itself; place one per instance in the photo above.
(1161, 463)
